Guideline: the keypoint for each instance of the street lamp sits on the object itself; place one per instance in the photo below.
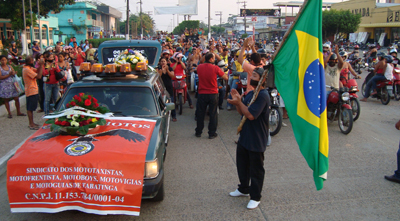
(220, 18)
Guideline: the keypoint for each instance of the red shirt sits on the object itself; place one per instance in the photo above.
(80, 58)
(207, 74)
(51, 74)
(178, 70)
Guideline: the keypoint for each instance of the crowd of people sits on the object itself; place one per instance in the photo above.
(218, 63)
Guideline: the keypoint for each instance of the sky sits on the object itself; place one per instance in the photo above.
(165, 22)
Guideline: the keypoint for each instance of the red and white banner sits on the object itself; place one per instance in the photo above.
(101, 172)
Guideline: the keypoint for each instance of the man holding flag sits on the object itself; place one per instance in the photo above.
(300, 78)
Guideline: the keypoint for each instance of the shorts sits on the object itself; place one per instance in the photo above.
(32, 102)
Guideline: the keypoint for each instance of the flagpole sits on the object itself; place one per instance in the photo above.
(264, 76)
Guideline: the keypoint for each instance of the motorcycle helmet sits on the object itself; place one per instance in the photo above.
(333, 57)
(372, 46)
(381, 54)
(326, 45)
(261, 51)
(49, 48)
(221, 63)
(341, 49)
(333, 97)
(393, 50)
(343, 54)
(356, 47)
(389, 58)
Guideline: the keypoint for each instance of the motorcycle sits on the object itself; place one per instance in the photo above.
(242, 84)
(381, 88)
(338, 108)
(180, 88)
(354, 103)
(194, 79)
(396, 84)
(275, 113)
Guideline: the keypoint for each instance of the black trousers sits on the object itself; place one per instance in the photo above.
(250, 167)
(204, 100)
(41, 93)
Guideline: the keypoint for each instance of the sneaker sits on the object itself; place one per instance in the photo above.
(253, 204)
(393, 178)
(213, 136)
(237, 193)
(229, 108)
(197, 135)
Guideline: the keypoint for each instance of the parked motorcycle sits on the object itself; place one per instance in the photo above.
(338, 108)
(180, 96)
(275, 113)
(381, 88)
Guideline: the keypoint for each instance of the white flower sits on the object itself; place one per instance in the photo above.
(74, 124)
(135, 60)
(69, 116)
(131, 56)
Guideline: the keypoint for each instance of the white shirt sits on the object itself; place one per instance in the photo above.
(332, 76)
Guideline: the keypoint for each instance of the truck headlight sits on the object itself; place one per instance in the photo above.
(274, 93)
(151, 169)
(345, 96)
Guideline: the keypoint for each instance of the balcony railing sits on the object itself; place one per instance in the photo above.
(97, 23)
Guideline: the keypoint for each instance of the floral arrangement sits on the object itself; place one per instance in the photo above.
(83, 113)
(130, 57)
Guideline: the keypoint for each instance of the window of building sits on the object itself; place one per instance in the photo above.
(94, 16)
(378, 32)
(51, 36)
(395, 35)
(44, 30)
(36, 33)
(28, 34)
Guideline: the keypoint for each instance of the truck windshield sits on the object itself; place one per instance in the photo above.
(110, 54)
(122, 101)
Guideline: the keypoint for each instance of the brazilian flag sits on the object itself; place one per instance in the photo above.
(300, 79)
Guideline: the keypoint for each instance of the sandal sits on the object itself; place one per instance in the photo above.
(21, 114)
(9, 116)
(33, 128)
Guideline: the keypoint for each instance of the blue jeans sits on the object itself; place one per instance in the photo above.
(397, 172)
(371, 85)
(50, 91)
(232, 85)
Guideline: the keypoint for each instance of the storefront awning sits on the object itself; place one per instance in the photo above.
(381, 25)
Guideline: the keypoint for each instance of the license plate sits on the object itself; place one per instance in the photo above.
(389, 87)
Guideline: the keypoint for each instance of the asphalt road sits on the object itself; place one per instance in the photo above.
(199, 174)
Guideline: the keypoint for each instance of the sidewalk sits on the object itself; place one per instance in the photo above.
(15, 130)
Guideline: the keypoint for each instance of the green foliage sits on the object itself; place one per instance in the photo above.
(178, 30)
(134, 22)
(11, 9)
(218, 30)
(245, 35)
(97, 42)
(339, 22)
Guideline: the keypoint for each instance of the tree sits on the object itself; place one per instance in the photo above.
(217, 29)
(339, 22)
(12, 9)
(178, 30)
(134, 22)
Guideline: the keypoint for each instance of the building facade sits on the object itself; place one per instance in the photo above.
(378, 17)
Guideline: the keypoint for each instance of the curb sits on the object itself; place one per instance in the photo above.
(22, 102)
(5, 158)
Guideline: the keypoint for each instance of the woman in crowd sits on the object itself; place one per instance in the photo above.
(40, 84)
(14, 52)
(51, 88)
(7, 88)
(35, 48)
(167, 74)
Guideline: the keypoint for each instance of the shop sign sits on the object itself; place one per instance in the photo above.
(393, 16)
(363, 11)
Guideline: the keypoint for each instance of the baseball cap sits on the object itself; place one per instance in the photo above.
(165, 52)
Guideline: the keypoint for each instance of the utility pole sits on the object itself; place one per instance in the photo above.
(127, 21)
(40, 26)
(220, 19)
(244, 7)
(22, 36)
(141, 20)
(33, 31)
(209, 18)
(132, 28)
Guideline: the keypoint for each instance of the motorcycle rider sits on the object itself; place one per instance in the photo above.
(371, 53)
(326, 49)
(355, 53)
(233, 81)
(380, 69)
(346, 68)
(396, 176)
(333, 64)
(393, 53)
